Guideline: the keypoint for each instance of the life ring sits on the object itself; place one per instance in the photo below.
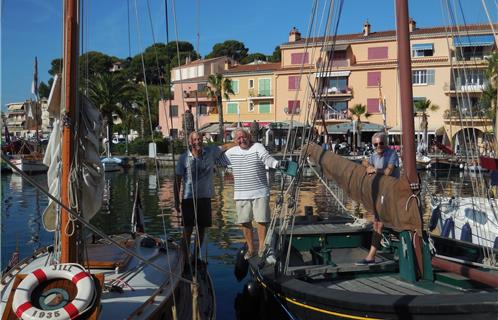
(75, 273)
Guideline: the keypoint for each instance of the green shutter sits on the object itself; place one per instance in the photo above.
(264, 108)
(264, 87)
(235, 86)
(430, 76)
(232, 108)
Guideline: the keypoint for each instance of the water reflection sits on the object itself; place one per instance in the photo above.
(21, 211)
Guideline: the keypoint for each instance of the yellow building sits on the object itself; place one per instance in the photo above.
(360, 68)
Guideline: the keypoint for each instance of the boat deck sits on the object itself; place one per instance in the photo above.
(379, 285)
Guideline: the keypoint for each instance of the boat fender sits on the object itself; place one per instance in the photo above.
(148, 242)
(435, 218)
(252, 288)
(22, 303)
(466, 234)
(448, 228)
(241, 265)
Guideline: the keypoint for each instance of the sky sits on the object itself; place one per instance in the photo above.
(32, 28)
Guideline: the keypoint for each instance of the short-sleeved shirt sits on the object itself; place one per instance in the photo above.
(381, 162)
(249, 170)
(200, 183)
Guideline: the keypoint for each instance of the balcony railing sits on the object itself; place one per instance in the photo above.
(335, 90)
(465, 114)
(331, 115)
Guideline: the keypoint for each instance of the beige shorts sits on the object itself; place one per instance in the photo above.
(257, 209)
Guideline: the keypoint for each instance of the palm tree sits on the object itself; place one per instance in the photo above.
(217, 89)
(489, 95)
(109, 91)
(421, 107)
(357, 111)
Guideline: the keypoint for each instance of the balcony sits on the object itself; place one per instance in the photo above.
(336, 92)
(475, 118)
(336, 116)
(262, 95)
(464, 88)
(195, 96)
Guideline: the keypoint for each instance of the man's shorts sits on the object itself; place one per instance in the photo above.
(257, 209)
(203, 206)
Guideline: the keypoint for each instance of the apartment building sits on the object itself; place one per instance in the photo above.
(361, 68)
(24, 118)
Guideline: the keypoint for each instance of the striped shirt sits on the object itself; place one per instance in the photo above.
(249, 170)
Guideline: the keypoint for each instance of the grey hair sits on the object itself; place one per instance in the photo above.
(379, 135)
(245, 132)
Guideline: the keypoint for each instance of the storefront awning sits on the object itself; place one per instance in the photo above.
(474, 41)
(285, 124)
(423, 46)
(213, 128)
(343, 128)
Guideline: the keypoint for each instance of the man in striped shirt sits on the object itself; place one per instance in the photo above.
(251, 187)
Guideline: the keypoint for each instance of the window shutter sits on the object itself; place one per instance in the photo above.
(373, 105)
(430, 76)
(373, 79)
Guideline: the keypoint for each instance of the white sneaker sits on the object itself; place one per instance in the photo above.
(249, 255)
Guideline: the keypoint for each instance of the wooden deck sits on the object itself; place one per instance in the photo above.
(379, 285)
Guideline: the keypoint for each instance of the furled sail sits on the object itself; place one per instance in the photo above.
(91, 186)
(391, 198)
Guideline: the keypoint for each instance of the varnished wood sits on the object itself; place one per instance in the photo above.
(108, 256)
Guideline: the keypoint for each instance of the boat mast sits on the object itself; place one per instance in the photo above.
(406, 93)
(70, 76)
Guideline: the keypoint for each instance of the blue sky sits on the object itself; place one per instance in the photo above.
(32, 28)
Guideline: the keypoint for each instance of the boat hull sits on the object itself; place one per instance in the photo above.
(30, 166)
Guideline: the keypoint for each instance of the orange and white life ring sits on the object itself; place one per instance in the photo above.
(22, 304)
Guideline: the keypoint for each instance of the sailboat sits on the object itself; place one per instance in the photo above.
(109, 162)
(31, 162)
(130, 276)
(314, 275)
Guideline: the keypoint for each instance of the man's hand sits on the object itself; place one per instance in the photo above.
(371, 169)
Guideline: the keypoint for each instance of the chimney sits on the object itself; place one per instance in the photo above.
(366, 29)
(188, 60)
(227, 64)
(294, 35)
(412, 25)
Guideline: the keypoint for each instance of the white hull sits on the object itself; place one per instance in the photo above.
(112, 164)
(29, 165)
(146, 292)
(480, 213)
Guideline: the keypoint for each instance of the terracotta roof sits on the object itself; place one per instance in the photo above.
(254, 67)
(354, 37)
(199, 61)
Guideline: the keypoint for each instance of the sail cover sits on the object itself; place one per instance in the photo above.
(391, 198)
(90, 187)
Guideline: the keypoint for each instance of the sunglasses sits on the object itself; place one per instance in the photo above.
(378, 144)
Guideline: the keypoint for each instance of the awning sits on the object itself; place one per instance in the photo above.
(474, 41)
(285, 124)
(15, 106)
(396, 130)
(212, 128)
(423, 46)
(337, 47)
(343, 128)
(333, 74)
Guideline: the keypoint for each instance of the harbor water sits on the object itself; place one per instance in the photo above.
(23, 205)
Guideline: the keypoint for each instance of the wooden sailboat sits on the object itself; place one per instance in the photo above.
(133, 276)
(315, 275)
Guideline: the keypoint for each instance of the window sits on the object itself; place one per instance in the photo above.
(422, 50)
(373, 105)
(377, 53)
(201, 87)
(235, 86)
(264, 108)
(232, 108)
(338, 84)
(251, 83)
(293, 82)
(373, 79)
(293, 107)
(300, 58)
(423, 76)
(203, 109)
(264, 87)
(415, 100)
(173, 111)
(250, 107)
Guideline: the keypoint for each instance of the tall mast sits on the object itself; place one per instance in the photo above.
(70, 77)
(406, 94)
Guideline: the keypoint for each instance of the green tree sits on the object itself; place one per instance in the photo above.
(109, 91)
(218, 88)
(357, 111)
(230, 48)
(140, 110)
(253, 57)
(44, 90)
(421, 107)
(489, 95)
(276, 56)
